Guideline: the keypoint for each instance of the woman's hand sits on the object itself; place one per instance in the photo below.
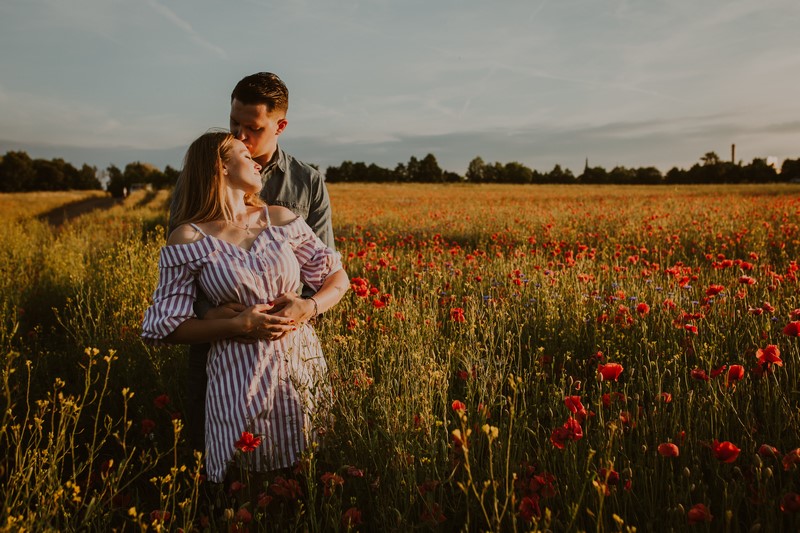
(256, 323)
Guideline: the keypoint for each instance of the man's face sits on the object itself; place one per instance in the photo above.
(257, 128)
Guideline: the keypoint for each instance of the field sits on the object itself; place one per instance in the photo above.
(508, 358)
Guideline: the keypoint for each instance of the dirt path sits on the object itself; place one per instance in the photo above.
(63, 213)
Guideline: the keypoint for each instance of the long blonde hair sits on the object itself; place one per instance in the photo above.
(199, 194)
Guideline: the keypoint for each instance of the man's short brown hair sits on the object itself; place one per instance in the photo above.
(262, 88)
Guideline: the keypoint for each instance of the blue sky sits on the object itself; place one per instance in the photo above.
(622, 82)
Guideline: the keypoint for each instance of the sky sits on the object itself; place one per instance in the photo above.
(620, 82)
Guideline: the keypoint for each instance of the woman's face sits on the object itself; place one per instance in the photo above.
(241, 172)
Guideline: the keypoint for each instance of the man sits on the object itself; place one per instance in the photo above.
(259, 103)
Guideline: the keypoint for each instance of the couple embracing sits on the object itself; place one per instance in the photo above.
(250, 228)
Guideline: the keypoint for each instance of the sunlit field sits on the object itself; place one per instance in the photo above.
(509, 358)
(31, 204)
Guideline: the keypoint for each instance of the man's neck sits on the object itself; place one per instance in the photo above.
(267, 158)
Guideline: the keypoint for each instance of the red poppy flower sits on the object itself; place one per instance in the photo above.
(771, 355)
(735, 373)
(611, 477)
(575, 406)
(351, 518)
(147, 426)
(571, 430)
(243, 516)
(248, 442)
(668, 449)
(666, 397)
(378, 304)
(698, 514)
(746, 280)
(330, 481)
(161, 401)
(264, 500)
(457, 315)
(458, 406)
(360, 286)
(699, 374)
(790, 459)
(713, 290)
(790, 503)
(162, 516)
(792, 329)
(717, 371)
(286, 488)
(610, 371)
(643, 309)
(432, 514)
(529, 508)
(767, 451)
(725, 451)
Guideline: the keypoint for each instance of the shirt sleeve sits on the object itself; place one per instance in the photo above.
(319, 210)
(317, 261)
(174, 297)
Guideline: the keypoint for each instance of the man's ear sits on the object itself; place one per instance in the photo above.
(281, 126)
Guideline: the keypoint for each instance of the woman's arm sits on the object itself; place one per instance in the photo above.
(252, 322)
(332, 290)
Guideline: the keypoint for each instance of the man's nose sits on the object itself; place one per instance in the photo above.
(238, 132)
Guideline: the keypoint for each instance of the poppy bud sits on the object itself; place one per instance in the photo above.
(686, 472)
(768, 472)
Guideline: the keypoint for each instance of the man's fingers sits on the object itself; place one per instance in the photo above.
(235, 306)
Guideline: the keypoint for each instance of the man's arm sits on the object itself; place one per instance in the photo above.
(319, 211)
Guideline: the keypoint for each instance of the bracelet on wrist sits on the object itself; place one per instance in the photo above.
(316, 307)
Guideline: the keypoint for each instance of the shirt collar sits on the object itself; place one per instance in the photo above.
(278, 160)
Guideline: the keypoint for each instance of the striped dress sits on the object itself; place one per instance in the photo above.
(268, 388)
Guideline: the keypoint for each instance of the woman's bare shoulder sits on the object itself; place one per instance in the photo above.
(184, 234)
(280, 216)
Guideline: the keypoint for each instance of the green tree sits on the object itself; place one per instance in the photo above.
(790, 169)
(16, 172)
(429, 170)
(514, 172)
(116, 181)
(710, 158)
(476, 171)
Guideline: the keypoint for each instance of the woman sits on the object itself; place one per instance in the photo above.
(240, 250)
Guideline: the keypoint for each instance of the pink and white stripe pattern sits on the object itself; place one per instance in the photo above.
(269, 388)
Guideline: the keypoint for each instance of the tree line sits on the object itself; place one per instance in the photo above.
(709, 169)
(18, 172)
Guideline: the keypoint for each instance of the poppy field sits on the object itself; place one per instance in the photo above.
(509, 358)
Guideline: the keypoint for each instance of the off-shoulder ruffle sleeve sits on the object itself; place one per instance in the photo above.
(317, 261)
(178, 267)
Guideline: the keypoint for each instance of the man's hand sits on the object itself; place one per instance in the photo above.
(290, 305)
(257, 320)
(225, 311)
